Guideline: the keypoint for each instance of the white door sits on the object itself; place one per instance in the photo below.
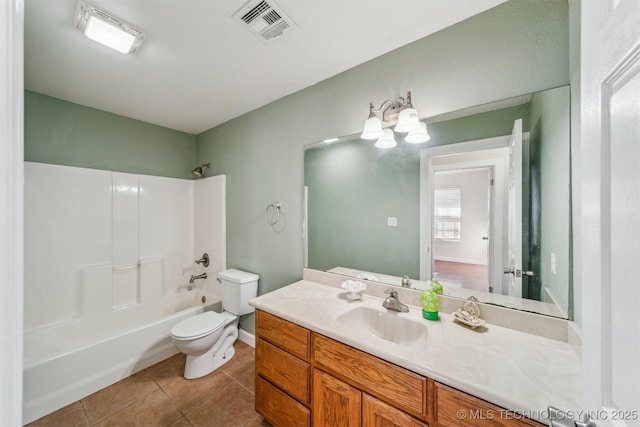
(610, 209)
(512, 278)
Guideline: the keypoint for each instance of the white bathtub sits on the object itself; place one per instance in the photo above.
(69, 361)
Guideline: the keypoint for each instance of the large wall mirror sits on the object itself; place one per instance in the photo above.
(485, 204)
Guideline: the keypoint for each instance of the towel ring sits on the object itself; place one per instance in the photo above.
(272, 217)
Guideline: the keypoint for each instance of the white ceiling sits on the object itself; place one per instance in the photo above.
(198, 67)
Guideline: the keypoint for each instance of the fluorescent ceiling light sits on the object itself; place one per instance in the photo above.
(105, 29)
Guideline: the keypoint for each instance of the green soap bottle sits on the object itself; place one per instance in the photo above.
(435, 285)
(430, 305)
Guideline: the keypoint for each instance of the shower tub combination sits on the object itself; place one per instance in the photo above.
(67, 362)
(110, 257)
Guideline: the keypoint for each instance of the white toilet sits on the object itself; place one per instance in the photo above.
(207, 338)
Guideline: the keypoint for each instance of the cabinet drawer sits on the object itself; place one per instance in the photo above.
(392, 384)
(452, 405)
(278, 408)
(286, 335)
(377, 413)
(283, 370)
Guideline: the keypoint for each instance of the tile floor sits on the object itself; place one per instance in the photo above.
(160, 396)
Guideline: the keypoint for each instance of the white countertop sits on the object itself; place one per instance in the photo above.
(515, 370)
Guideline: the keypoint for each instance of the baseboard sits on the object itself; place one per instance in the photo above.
(247, 337)
(460, 260)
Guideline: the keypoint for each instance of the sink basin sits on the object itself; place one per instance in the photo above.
(389, 325)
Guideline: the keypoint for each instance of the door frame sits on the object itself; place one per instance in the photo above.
(11, 209)
(427, 171)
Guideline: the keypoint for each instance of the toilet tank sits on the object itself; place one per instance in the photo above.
(237, 288)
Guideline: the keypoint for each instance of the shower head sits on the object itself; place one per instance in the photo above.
(199, 171)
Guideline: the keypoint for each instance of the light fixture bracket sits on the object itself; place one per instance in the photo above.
(389, 111)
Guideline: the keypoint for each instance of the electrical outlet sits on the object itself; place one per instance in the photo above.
(392, 221)
(552, 263)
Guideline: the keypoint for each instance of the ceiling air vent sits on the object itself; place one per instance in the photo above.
(265, 19)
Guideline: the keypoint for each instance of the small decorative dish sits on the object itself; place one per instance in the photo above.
(466, 318)
(353, 288)
(469, 314)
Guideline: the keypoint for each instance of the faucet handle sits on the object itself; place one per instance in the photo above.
(392, 293)
(204, 260)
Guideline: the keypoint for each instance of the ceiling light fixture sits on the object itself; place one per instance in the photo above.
(404, 115)
(106, 29)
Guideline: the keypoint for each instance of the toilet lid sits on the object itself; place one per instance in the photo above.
(199, 325)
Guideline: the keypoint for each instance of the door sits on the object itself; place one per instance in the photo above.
(335, 403)
(513, 264)
(610, 209)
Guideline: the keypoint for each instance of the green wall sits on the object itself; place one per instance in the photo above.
(550, 141)
(352, 188)
(64, 133)
(518, 47)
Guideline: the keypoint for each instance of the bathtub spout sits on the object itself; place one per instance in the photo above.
(199, 276)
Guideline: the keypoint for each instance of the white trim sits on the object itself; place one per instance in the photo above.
(460, 260)
(497, 199)
(11, 210)
(247, 337)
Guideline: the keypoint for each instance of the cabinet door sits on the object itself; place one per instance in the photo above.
(376, 413)
(335, 403)
(455, 408)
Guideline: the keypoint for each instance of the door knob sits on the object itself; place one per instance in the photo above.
(517, 272)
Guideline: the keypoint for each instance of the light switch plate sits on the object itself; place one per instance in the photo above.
(392, 221)
(552, 263)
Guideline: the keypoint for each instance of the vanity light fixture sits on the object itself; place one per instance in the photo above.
(418, 136)
(106, 29)
(387, 139)
(404, 115)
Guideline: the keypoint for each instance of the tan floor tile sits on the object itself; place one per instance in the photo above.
(181, 422)
(168, 370)
(232, 406)
(258, 421)
(248, 379)
(107, 401)
(155, 409)
(69, 416)
(186, 394)
(242, 361)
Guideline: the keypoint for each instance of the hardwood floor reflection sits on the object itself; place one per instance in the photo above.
(468, 276)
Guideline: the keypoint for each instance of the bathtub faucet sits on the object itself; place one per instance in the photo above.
(199, 276)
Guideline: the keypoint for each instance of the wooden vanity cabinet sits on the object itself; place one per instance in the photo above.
(283, 371)
(453, 408)
(304, 379)
(385, 381)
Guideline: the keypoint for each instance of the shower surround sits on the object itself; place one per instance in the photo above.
(108, 257)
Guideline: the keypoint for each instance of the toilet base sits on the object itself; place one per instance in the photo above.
(221, 352)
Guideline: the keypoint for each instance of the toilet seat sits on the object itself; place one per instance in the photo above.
(199, 325)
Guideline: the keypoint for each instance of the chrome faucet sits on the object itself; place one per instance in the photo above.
(393, 303)
(406, 282)
(199, 276)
